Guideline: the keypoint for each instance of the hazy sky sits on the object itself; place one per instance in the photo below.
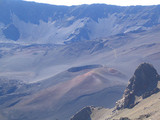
(113, 2)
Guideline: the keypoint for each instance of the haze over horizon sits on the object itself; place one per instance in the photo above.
(113, 2)
(56, 60)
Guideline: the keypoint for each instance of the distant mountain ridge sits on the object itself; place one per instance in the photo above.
(62, 24)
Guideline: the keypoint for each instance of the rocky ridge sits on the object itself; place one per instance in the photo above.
(62, 24)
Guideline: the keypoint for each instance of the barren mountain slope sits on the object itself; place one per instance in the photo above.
(140, 100)
(62, 95)
(55, 60)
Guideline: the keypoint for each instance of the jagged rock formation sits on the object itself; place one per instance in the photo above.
(141, 85)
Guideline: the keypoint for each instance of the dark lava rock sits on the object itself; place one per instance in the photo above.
(124, 118)
(84, 114)
(143, 117)
(142, 84)
(77, 69)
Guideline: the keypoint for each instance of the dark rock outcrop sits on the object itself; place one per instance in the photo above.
(143, 117)
(77, 69)
(83, 114)
(124, 118)
(141, 85)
